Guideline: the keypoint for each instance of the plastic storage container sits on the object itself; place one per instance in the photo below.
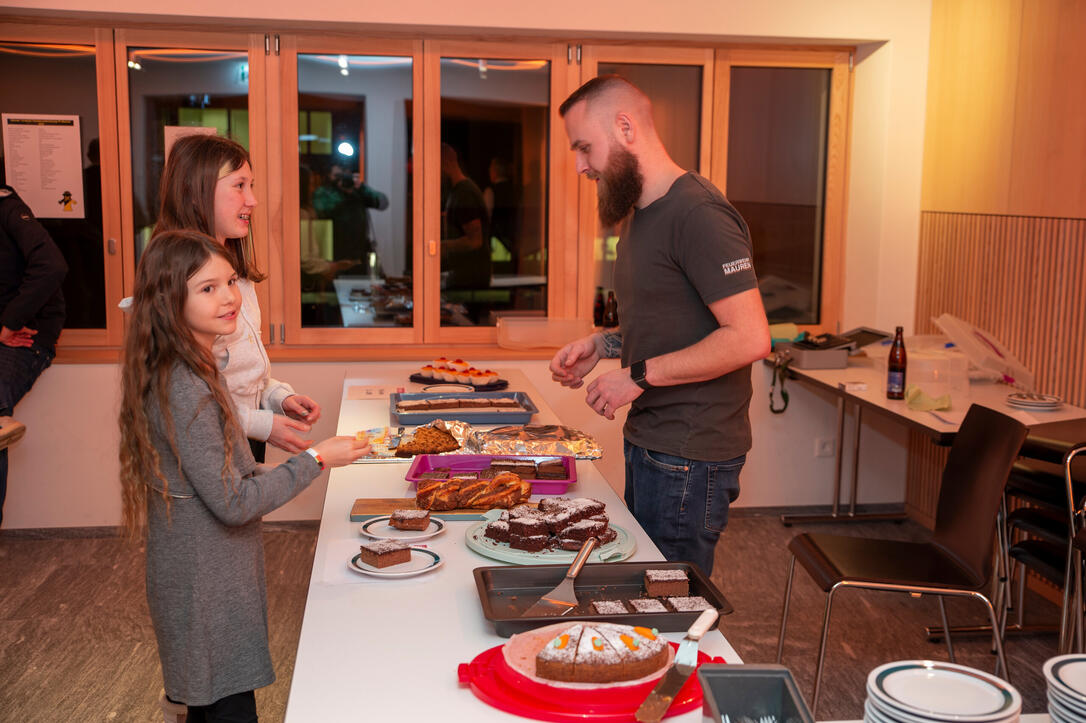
(534, 332)
(754, 692)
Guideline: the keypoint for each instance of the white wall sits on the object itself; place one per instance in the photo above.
(64, 472)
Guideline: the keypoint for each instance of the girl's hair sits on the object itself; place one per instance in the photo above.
(158, 339)
(187, 193)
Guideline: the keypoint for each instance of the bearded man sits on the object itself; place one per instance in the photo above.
(692, 323)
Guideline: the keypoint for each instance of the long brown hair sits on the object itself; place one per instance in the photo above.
(158, 339)
(187, 193)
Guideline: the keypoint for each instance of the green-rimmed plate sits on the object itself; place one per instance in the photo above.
(919, 691)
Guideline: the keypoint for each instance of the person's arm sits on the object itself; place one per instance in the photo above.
(201, 450)
(471, 240)
(45, 265)
(741, 339)
(576, 359)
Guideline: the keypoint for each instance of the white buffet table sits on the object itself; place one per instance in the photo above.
(381, 649)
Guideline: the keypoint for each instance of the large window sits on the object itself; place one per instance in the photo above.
(412, 193)
(54, 76)
(495, 125)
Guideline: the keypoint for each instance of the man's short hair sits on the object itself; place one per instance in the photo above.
(593, 89)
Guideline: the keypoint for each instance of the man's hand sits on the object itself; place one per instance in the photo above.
(610, 391)
(574, 360)
(284, 434)
(302, 408)
(20, 338)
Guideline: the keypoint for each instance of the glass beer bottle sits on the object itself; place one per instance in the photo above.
(610, 311)
(895, 368)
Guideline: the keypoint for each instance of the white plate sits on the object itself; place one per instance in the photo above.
(1057, 694)
(1063, 712)
(943, 691)
(1036, 400)
(421, 561)
(886, 713)
(379, 528)
(1067, 673)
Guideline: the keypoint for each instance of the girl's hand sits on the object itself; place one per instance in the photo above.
(301, 407)
(338, 451)
(284, 434)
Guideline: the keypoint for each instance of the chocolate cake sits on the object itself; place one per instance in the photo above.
(527, 526)
(602, 653)
(666, 583)
(529, 543)
(384, 553)
(647, 605)
(410, 519)
(497, 530)
(609, 607)
(688, 604)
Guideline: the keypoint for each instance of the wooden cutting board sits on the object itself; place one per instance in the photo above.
(366, 507)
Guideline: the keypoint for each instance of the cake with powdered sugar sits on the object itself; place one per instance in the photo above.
(609, 607)
(602, 653)
(647, 605)
(384, 553)
(555, 523)
(667, 583)
(689, 604)
(410, 519)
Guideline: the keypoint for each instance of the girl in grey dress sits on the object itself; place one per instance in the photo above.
(189, 478)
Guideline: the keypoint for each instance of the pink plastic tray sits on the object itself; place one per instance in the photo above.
(458, 463)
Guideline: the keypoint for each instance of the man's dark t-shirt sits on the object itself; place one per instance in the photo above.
(468, 269)
(681, 253)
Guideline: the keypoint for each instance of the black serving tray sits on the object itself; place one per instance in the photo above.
(505, 592)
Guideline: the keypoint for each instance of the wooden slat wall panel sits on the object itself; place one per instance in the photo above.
(1022, 278)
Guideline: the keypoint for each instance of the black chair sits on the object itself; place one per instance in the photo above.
(958, 558)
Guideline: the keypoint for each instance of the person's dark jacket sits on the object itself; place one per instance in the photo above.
(31, 272)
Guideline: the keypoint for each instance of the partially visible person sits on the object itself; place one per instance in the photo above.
(692, 323)
(207, 186)
(465, 233)
(501, 202)
(347, 201)
(32, 270)
(190, 480)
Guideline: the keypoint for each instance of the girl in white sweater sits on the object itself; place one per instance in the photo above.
(207, 186)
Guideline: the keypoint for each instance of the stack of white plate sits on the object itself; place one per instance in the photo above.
(927, 691)
(1034, 402)
(1066, 677)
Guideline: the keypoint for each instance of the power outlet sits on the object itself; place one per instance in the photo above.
(825, 448)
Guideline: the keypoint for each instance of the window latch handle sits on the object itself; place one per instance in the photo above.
(432, 247)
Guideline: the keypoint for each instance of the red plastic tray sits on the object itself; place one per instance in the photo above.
(495, 683)
(478, 462)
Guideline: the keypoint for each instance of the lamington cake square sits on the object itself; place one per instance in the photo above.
(688, 604)
(384, 553)
(410, 519)
(647, 605)
(609, 607)
(667, 583)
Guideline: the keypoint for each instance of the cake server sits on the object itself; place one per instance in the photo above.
(563, 598)
(686, 662)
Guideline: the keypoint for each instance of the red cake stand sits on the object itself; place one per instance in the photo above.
(495, 683)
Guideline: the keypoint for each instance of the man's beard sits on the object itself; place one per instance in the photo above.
(619, 185)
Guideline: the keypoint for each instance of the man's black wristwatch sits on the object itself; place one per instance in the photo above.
(637, 373)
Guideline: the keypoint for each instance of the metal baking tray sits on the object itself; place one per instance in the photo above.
(506, 592)
(465, 415)
(458, 463)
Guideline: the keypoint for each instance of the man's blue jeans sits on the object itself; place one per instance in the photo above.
(681, 503)
(19, 369)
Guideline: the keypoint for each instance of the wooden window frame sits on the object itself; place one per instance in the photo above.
(559, 236)
(286, 236)
(78, 342)
(837, 154)
(254, 45)
(591, 57)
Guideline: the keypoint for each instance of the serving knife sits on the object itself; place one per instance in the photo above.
(563, 597)
(686, 662)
